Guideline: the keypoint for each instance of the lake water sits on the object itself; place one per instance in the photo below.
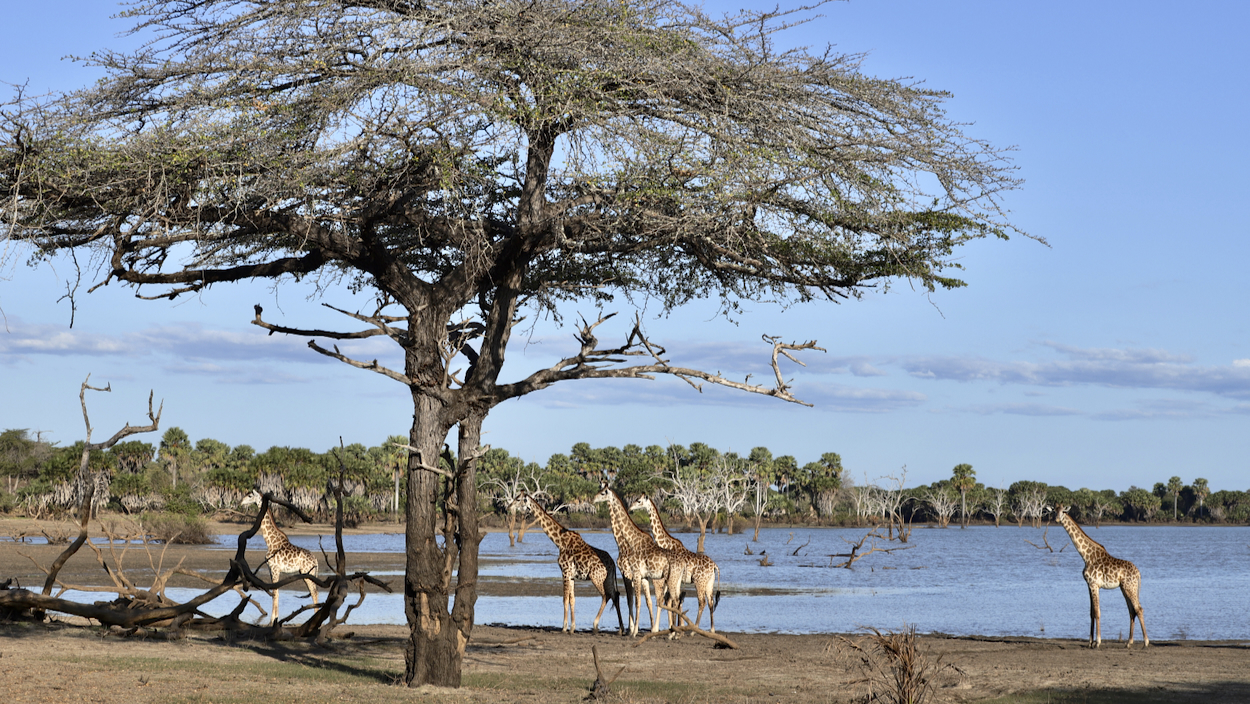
(978, 581)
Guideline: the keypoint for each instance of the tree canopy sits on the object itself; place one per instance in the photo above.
(464, 162)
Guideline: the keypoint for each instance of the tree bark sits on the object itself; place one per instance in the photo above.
(430, 657)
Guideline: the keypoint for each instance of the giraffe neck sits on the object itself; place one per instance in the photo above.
(1085, 545)
(623, 526)
(554, 530)
(274, 538)
(662, 536)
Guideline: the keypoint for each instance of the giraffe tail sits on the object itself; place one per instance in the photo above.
(715, 600)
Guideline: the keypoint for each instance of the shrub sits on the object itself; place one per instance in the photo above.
(177, 528)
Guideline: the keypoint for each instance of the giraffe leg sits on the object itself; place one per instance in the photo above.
(570, 619)
(629, 600)
(1095, 617)
(703, 591)
(635, 619)
(647, 585)
(273, 577)
(1135, 611)
(599, 579)
(312, 589)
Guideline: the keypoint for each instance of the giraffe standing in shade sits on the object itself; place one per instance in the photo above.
(1102, 571)
(283, 557)
(640, 559)
(688, 567)
(578, 560)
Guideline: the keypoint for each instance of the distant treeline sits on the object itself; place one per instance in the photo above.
(697, 482)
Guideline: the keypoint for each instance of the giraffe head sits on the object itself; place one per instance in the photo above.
(605, 493)
(524, 500)
(252, 499)
(642, 503)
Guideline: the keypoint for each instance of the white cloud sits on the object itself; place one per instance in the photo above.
(1024, 409)
(1136, 369)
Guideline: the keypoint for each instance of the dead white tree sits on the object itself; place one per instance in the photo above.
(692, 488)
(508, 491)
(892, 500)
(943, 503)
(996, 504)
(758, 487)
(1033, 506)
(731, 486)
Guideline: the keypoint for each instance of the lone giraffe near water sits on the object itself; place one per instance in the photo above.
(578, 560)
(1102, 571)
(283, 557)
(687, 567)
(640, 560)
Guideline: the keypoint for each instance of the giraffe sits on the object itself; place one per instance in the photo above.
(694, 568)
(578, 560)
(640, 559)
(283, 557)
(1102, 571)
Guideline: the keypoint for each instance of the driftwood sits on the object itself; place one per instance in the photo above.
(855, 554)
(1046, 543)
(796, 550)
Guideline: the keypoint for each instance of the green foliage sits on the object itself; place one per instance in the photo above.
(21, 455)
(178, 500)
(126, 484)
(1140, 504)
(237, 479)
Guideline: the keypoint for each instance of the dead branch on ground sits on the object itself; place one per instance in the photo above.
(685, 625)
(602, 686)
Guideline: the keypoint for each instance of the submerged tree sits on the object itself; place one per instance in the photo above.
(464, 162)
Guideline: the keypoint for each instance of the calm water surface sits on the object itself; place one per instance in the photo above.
(978, 581)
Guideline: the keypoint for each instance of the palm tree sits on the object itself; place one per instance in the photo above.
(175, 445)
(964, 479)
(1201, 491)
(1175, 485)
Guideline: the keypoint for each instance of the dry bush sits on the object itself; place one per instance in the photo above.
(895, 669)
(178, 528)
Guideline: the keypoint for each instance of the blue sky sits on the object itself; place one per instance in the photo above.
(1118, 355)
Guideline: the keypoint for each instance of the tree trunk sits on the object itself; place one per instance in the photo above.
(756, 539)
(702, 532)
(432, 655)
(468, 535)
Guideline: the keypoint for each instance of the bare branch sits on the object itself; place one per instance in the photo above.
(372, 366)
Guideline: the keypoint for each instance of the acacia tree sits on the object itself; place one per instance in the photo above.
(466, 161)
